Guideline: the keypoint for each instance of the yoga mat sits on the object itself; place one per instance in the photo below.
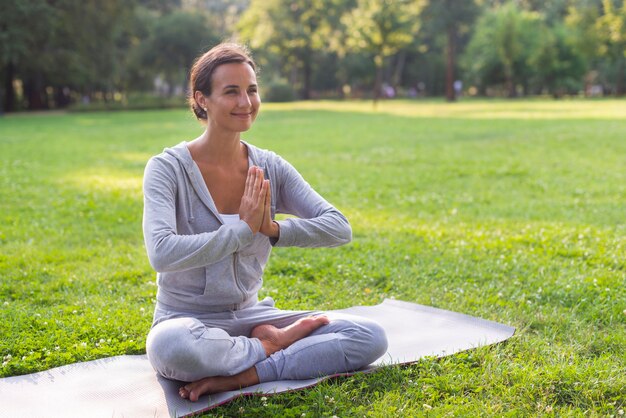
(127, 386)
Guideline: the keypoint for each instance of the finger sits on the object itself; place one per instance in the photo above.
(264, 189)
(258, 182)
(249, 182)
(257, 185)
(268, 196)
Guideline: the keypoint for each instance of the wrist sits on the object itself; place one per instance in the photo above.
(275, 229)
(272, 230)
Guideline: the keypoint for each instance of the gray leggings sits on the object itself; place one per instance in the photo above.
(188, 347)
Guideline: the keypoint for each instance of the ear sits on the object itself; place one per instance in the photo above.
(200, 99)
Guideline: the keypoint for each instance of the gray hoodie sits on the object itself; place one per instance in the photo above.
(203, 265)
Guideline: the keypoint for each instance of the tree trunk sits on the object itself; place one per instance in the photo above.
(9, 91)
(306, 82)
(397, 75)
(35, 92)
(619, 85)
(378, 81)
(509, 84)
(61, 97)
(450, 63)
(293, 75)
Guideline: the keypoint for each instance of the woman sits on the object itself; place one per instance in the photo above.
(209, 227)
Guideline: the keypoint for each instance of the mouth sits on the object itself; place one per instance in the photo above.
(242, 115)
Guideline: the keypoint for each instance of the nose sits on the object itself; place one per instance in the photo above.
(244, 100)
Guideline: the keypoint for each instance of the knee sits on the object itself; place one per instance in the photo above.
(366, 341)
(378, 339)
(177, 350)
(167, 347)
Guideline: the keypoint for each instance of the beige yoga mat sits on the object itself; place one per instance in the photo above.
(127, 386)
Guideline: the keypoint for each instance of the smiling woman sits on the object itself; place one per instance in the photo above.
(223, 84)
(209, 227)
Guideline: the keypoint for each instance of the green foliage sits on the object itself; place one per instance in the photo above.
(17, 39)
(612, 27)
(101, 50)
(292, 31)
(559, 65)
(453, 20)
(278, 91)
(135, 101)
(382, 27)
(581, 20)
(510, 211)
(174, 41)
(505, 41)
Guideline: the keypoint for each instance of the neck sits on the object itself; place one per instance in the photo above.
(216, 148)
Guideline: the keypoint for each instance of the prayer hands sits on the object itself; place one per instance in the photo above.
(256, 203)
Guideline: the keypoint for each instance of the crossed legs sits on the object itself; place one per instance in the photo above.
(299, 347)
(273, 339)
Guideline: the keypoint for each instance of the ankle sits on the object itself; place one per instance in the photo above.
(247, 378)
(269, 347)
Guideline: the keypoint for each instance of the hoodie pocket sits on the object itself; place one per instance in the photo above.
(220, 287)
(189, 282)
(249, 273)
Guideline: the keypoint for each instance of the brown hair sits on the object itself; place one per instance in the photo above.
(201, 74)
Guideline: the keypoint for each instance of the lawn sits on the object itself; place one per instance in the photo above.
(513, 211)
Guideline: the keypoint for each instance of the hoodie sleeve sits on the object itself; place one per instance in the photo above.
(318, 223)
(169, 251)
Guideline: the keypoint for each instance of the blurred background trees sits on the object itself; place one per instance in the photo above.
(56, 53)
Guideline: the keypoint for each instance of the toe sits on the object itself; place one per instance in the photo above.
(323, 319)
(193, 396)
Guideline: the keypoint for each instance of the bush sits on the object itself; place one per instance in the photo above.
(132, 102)
(279, 91)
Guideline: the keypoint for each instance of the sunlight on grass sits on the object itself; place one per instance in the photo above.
(104, 182)
(471, 109)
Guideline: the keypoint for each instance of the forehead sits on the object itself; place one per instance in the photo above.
(234, 73)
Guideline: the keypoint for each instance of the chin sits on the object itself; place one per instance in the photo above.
(243, 127)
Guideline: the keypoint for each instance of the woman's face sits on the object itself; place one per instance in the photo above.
(234, 101)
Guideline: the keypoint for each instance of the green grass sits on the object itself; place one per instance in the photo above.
(510, 211)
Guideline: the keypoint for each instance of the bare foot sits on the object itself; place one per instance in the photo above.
(193, 391)
(275, 339)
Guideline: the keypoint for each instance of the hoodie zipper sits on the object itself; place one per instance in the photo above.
(191, 218)
(239, 286)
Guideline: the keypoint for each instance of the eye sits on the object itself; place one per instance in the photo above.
(230, 91)
(252, 90)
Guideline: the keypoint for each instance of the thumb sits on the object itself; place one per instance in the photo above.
(268, 194)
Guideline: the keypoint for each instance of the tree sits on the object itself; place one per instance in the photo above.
(559, 65)
(612, 25)
(72, 46)
(581, 20)
(87, 45)
(505, 40)
(382, 28)
(452, 18)
(19, 38)
(292, 31)
(174, 41)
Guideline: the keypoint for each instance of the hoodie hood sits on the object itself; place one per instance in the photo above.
(194, 178)
(182, 154)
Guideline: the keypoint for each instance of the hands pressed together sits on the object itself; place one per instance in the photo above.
(256, 203)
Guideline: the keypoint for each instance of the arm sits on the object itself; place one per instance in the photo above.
(169, 251)
(319, 224)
